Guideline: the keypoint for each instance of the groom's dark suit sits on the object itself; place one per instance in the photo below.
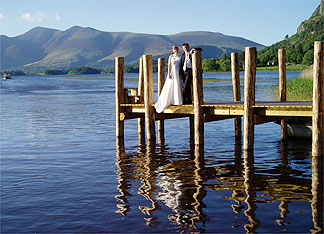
(187, 80)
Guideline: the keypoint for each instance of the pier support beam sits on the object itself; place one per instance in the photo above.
(161, 80)
(149, 99)
(119, 96)
(249, 97)
(140, 92)
(236, 91)
(318, 100)
(198, 97)
(282, 88)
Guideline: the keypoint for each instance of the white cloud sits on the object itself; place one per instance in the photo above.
(38, 17)
(2, 16)
(57, 17)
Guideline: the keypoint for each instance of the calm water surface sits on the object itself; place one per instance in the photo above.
(61, 172)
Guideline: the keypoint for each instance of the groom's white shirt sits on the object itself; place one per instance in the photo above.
(187, 63)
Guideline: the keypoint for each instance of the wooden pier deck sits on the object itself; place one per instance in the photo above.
(230, 109)
(139, 102)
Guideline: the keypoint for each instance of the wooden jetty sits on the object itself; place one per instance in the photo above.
(139, 102)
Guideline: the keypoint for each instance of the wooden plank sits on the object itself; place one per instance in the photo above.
(124, 116)
(266, 119)
(170, 116)
(211, 118)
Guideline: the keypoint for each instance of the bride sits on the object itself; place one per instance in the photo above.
(171, 93)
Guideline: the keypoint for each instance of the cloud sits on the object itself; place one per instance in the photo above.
(38, 17)
(2, 16)
(57, 17)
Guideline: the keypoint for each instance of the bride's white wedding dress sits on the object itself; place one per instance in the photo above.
(171, 93)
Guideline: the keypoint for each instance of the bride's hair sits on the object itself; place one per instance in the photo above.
(175, 47)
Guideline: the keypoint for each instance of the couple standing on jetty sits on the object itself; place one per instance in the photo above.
(177, 87)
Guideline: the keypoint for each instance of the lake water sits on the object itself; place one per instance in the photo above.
(61, 172)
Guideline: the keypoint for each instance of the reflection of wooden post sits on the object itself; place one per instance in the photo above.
(149, 98)
(161, 79)
(318, 99)
(249, 180)
(119, 96)
(192, 131)
(317, 193)
(236, 91)
(282, 88)
(198, 97)
(141, 120)
(249, 97)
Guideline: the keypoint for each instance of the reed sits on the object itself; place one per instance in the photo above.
(301, 88)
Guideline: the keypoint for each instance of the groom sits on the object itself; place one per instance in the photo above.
(186, 73)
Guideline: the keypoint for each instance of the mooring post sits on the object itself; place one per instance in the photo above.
(198, 97)
(282, 88)
(140, 93)
(161, 79)
(119, 96)
(318, 100)
(149, 99)
(236, 91)
(249, 97)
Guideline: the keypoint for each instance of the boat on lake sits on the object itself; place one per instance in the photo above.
(7, 76)
(299, 127)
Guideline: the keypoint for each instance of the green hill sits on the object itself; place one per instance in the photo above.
(42, 48)
(300, 46)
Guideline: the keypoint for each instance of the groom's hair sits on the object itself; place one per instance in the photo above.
(185, 44)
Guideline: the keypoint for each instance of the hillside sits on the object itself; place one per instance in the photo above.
(300, 46)
(43, 48)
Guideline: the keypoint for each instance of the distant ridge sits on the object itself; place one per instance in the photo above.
(300, 46)
(44, 48)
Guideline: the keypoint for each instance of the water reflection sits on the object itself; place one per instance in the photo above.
(317, 193)
(177, 184)
(181, 182)
(250, 192)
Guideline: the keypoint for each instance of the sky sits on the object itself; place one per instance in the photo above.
(262, 21)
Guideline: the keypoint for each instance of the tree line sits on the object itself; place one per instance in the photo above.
(296, 54)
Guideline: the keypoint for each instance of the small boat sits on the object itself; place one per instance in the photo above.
(299, 127)
(7, 76)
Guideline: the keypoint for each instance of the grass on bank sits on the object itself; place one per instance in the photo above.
(276, 68)
(301, 88)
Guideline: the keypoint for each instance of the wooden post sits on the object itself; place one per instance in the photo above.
(249, 97)
(198, 97)
(236, 91)
(141, 120)
(282, 88)
(161, 79)
(119, 96)
(149, 99)
(318, 100)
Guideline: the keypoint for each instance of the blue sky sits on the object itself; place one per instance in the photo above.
(262, 21)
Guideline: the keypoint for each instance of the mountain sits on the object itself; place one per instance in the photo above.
(43, 48)
(300, 46)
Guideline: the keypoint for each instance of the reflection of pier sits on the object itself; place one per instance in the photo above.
(183, 184)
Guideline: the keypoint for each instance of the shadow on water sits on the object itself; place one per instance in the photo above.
(180, 187)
